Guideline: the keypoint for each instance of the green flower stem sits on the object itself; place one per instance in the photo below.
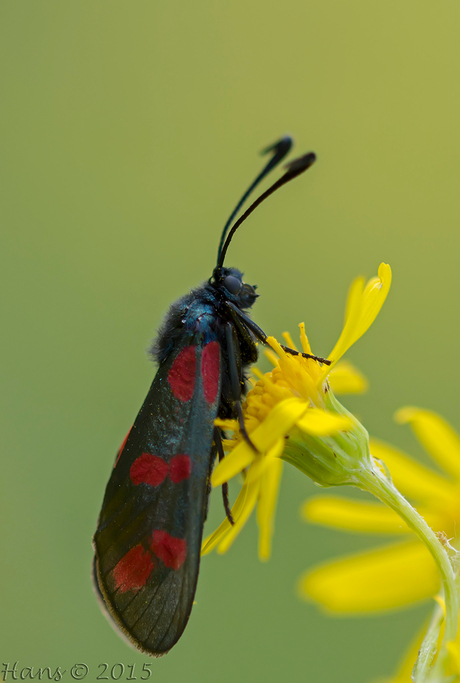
(376, 483)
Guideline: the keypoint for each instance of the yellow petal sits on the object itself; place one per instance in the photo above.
(353, 303)
(321, 423)
(244, 505)
(373, 298)
(353, 515)
(344, 378)
(304, 339)
(363, 306)
(278, 422)
(252, 483)
(436, 435)
(276, 346)
(211, 541)
(268, 498)
(358, 516)
(410, 477)
(352, 313)
(378, 580)
(240, 511)
(233, 463)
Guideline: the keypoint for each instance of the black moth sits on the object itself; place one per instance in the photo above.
(148, 538)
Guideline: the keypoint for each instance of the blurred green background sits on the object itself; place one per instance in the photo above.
(129, 130)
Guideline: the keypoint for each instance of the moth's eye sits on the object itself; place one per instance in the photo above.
(233, 284)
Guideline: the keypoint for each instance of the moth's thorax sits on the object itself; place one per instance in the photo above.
(203, 311)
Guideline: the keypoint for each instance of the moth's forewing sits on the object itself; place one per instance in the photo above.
(148, 539)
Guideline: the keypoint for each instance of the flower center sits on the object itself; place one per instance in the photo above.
(293, 376)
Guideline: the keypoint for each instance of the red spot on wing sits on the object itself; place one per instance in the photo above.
(179, 468)
(182, 373)
(210, 370)
(148, 469)
(133, 570)
(122, 447)
(172, 551)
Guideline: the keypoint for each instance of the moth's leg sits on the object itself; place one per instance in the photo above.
(240, 317)
(262, 337)
(293, 352)
(235, 381)
(246, 336)
(220, 451)
(208, 480)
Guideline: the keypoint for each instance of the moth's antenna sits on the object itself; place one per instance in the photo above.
(279, 150)
(294, 169)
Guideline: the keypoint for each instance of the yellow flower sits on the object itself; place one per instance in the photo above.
(294, 405)
(404, 572)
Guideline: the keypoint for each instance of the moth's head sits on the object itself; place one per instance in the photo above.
(229, 281)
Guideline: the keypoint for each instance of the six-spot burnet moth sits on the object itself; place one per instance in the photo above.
(148, 539)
